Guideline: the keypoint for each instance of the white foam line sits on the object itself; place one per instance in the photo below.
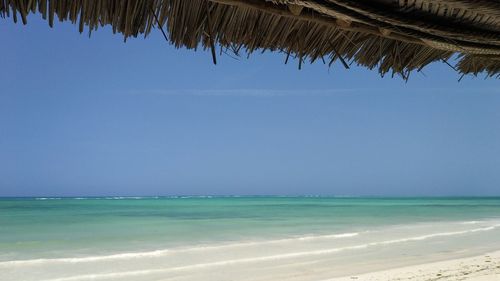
(424, 237)
(266, 258)
(204, 265)
(472, 222)
(159, 253)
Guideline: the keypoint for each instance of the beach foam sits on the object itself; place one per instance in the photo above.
(164, 252)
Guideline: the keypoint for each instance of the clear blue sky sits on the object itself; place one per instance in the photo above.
(97, 116)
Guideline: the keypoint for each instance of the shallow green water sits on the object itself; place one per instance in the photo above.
(42, 227)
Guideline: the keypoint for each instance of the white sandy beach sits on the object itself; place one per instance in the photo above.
(479, 268)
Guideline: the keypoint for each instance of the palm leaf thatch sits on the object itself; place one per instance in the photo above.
(393, 36)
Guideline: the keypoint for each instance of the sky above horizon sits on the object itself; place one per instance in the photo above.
(95, 116)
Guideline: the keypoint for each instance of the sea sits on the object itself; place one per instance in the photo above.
(236, 238)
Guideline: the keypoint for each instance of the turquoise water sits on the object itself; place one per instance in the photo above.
(66, 227)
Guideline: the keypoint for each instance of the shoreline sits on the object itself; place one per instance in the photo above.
(485, 267)
(251, 239)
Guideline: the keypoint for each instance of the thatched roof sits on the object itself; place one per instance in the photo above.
(395, 36)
